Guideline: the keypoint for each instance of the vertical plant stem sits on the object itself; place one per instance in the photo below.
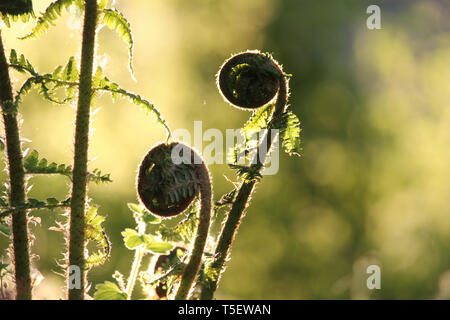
(138, 255)
(79, 184)
(241, 202)
(17, 183)
(201, 237)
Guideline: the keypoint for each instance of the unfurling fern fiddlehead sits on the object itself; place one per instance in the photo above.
(248, 80)
(169, 178)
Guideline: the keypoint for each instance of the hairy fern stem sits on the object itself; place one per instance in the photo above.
(77, 238)
(167, 187)
(201, 237)
(17, 192)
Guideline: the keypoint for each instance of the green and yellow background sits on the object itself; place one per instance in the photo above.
(372, 185)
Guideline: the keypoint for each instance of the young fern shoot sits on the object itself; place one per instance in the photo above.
(167, 186)
(251, 80)
(170, 177)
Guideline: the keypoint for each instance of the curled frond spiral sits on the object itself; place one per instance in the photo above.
(249, 80)
(169, 178)
(166, 188)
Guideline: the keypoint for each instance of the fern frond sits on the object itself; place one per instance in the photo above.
(49, 16)
(70, 72)
(289, 127)
(96, 234)
(247, 173)
(97, 177)
(103, 84)
(34, 165)
(259, 120)
(49, 203)
(116, 21)
(20, 63)
(183, 231)
(66, 78)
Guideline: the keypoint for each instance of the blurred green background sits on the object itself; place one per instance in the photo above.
(372, 186)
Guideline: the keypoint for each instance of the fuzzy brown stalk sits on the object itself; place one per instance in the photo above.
(201, 237)
(77, 238)
(17, 195)
(155, 184)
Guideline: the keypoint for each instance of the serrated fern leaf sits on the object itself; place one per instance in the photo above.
(13, 10)
(48, 84)
(24, 90)
(248, 173)
(46, 88)
(259, 120)
(290, 133)
(242, 150)
(183, 231)
(49, 16)
(116, 21)
(96, 234)
(70, 72)
(96, 259)
(34, 165)
(97, 177)
(20, 63)
(103, 84)
(49, 203)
